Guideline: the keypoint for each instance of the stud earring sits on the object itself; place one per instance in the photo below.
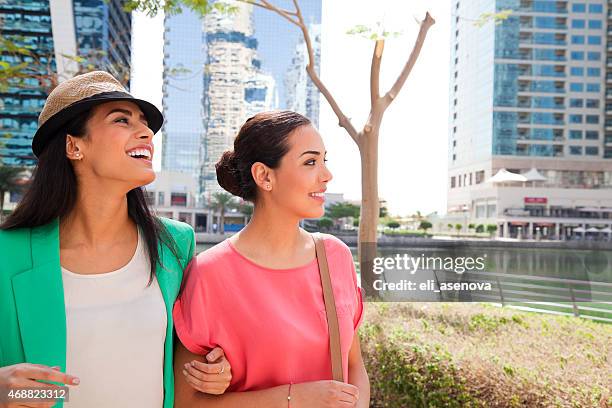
(268, 186)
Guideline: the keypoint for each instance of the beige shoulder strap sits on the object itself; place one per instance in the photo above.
(330, 309)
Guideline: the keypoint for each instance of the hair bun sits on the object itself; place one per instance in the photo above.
(228, 175)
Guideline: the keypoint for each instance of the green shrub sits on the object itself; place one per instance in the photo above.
(477, 355)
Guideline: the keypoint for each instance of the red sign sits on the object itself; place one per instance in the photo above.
(535, 200)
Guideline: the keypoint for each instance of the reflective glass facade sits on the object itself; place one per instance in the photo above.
(472, 86)
(26, 23)
(103, 38)
(103, 33)
(536, 51)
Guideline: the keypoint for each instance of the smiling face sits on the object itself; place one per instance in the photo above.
(118, 145)
(299, 182)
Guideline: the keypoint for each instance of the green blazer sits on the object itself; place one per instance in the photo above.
(32, 309)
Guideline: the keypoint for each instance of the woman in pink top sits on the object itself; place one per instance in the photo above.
(258, 294)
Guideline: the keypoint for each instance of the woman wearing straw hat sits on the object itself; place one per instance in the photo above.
(88, 274)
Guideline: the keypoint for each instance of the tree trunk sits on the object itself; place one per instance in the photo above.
(368, 223)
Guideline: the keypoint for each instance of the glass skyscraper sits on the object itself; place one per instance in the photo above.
(528, 95)
(230, 87)
(56, 31)
(221, 69)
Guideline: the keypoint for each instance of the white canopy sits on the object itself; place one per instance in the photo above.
(534, 175)
(579, 229)
(592, 229)
(503, 176)
(606, 230)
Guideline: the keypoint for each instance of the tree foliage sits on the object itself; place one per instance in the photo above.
(342, 209)
(393, 224)
(425, 225)
(325, 223)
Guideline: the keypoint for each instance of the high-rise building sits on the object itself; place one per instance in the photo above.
(234, 87)
(183, 90)
(56, 31)
(103, 33)
(232, 70)
(528, 106)
(301, 93)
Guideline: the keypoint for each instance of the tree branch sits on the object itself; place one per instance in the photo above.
(397, 86)
(271, 7)
(343, 120)
(375, 71)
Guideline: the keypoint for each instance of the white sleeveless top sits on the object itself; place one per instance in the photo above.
(115, 331)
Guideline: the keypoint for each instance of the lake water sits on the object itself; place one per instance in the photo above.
(529, 274)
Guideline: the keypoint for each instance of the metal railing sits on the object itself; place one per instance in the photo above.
(587, 299)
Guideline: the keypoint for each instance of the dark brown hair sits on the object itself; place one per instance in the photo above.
(262, 138)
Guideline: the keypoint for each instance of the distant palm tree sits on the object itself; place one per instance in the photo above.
(9, 181)
(221, 202)
(245, 208)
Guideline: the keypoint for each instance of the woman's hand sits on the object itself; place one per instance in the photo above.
(213, 377)
(324, 394)
(26, 375)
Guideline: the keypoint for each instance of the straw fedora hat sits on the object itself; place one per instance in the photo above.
(79, 94)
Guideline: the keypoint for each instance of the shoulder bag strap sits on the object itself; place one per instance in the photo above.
(330, 309)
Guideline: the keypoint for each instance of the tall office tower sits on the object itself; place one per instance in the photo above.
(526, 127)
(56, 31)
(234, 87)
(183, 90)
(103, 32)
(302, 95)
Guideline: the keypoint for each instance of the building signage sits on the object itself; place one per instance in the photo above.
(536, 200)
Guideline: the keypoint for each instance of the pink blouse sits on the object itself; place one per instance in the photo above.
(271, 323)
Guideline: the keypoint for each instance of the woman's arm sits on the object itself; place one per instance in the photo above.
(358, 375)
(330, 394)
(211, 376)
(186, 396)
